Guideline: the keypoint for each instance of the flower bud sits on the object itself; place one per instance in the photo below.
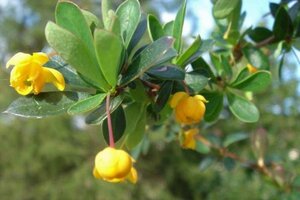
(114, 165)
(188, 139)
(188, 109)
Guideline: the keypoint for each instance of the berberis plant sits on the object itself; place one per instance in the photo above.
(102, 67)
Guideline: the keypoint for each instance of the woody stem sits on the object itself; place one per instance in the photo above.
(109, 123)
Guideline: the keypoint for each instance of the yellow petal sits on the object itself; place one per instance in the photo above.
(201, 98)
(133, 176)
(96, 174)
(40, 58)
(55, 77)
(189, 138)
(19, 58)
(177, 97)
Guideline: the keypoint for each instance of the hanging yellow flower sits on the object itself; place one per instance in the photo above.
(188, 138)
(29, 75)
(114, 165)
(188, 109)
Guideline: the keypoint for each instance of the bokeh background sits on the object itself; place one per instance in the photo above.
(53, 158)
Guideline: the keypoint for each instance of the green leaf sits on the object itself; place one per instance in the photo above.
(113, 25)
(118, 122)
(109, 50)
(243, 109)
(214, 105)
(178, 26)
(233, 138)
(154, 28)
(168, 28)
(191, 50)
(87, 104)
(203, 68)
(106, 6)
(241, 75)
(196, 81)
(75, 53)
(44, 104)
(69, 16)
(138, 92)
(135, 114)
(256, 82)
(129, 14)
(283, 25)
(153, 55)
(206, 162)
(260, 34)
(167, 73)
(163, 96)
(138, 34)
(223, 8)
(256, 58)
(91, 19)
(96, 117)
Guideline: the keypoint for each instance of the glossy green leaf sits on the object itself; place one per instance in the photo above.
(96, 117)
(118, 122)
(87, 104)
(138, 34)
(242, 108)
(223, 8)
(154, 28)
(274, 8)
(178, 26)
(109, 50)
(256, 82)
(256, 58)
(260, 34)
(167, 73)
(44, 104)
(200, 65)
(163, 96)
(283, 25)
(135, 136)
(233, 138)
(106, 6)
(189, 52)
(196, 81)
(75, 53)
(69, 16)
(153, 55)
(129, 14)
(206, 162)
(214, 105)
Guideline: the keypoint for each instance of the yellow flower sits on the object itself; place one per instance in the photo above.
(188, 138)
(188, 109)
(29, 75)
(114, 165)
(251, 68)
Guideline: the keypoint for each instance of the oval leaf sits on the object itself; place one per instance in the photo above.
(243, 109)
(129, 14)
(109, 50)
(178, 26)
(153, 55)
(214, 105)
(167, 73)
(87, 104)
(256, 82)
(44, 104)
(232, 138)
(223, 8)
(154, 28)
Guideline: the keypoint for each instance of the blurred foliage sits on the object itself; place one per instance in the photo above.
(52, 158)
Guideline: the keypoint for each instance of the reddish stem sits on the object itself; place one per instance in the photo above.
(109, 124)
(186, 87)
